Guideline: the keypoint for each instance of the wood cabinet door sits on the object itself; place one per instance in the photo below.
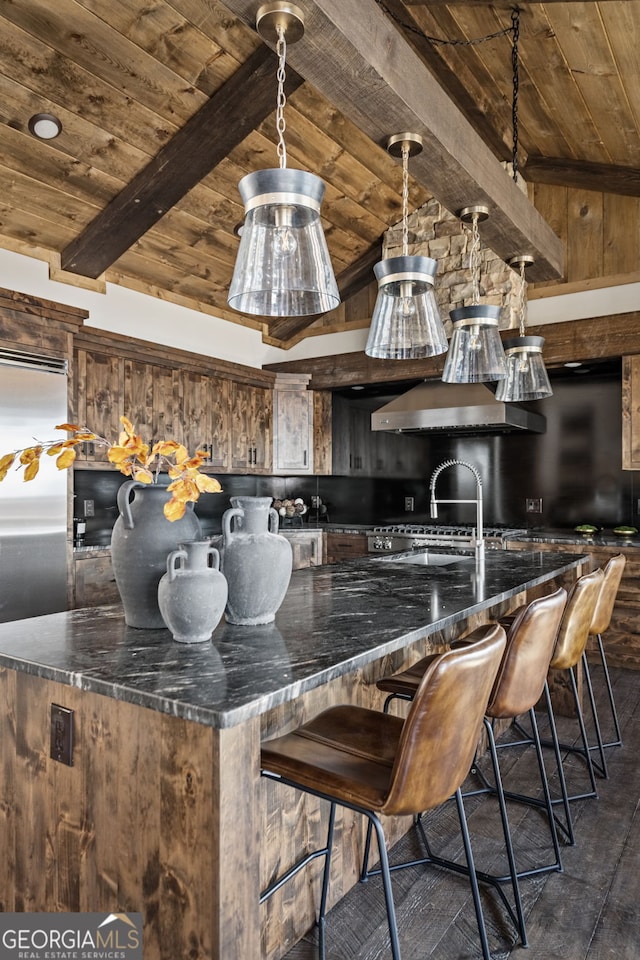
(99, 399)
(631, 413)
(95, 583)
(252, 414)
(322, 438)
(151, 394)
(206, 417)
(293, 431)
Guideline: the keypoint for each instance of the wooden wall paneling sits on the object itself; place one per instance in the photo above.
(631, 413)
(322, 439)
(551, 202)
(585, 235)
(621, 234)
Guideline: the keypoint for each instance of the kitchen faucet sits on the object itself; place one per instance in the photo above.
(478, 541)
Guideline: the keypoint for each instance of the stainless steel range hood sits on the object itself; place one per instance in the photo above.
(454, 408)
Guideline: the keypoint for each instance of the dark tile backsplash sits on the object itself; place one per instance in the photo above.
(575, 468)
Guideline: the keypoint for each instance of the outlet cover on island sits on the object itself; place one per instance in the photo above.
(534, 504)
(409, 504)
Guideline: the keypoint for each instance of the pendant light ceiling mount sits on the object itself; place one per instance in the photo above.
(478, 212)
(405, 324)
(399, 142)
(271, 18)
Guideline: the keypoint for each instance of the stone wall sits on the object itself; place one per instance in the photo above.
(434, 232)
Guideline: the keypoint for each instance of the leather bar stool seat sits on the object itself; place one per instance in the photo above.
(517, 688)
(612, 571)
(380, 765)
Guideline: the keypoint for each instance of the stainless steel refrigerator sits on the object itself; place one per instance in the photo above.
(33, 514)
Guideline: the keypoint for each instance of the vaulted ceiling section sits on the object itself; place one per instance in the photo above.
(166, 104)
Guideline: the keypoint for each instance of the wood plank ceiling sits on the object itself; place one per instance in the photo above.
(166, 104)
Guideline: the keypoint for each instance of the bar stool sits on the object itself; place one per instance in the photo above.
(517, 688)
(377, 764)
(569, 652)
(600, 624)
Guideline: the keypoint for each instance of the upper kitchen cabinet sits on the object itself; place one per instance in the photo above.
(252, 417)
(292, 425)
(151, 400)
(99, 399)
(322, 433)
(631, 413)
(206, 417)
(360, 451)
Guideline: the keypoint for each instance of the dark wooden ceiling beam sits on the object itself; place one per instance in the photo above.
(350, 281)
(597, 338)
(223, 122)
(359, 60)
(585, 175)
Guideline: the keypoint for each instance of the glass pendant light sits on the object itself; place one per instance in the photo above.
(406, 321)
(527, 377)
(476, 353)
(283, 267)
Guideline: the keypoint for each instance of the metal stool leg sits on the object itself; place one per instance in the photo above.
(612, 703)
(599, 746)
(325, 884)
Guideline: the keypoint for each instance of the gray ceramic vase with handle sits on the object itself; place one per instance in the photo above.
(256, 560)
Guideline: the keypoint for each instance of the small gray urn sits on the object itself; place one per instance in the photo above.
(256, 561)
(192, 594)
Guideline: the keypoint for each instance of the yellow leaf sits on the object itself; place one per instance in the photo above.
(80, 437)
(55, 449)
(174, 509)
(117, 455)
(207, 484)
(31, 470)
(128, 426)
(126, 469)
(68, 426)
(164, 448)
(174, 472)
(5, 464)
(181, 453)
(142, 475)
(65, 459)
(30, 454)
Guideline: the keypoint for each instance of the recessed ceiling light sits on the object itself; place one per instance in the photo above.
(573, 363)
(358, 387)
(45, 126)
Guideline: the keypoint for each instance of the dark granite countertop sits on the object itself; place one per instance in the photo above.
(604, 538)
(334, 620)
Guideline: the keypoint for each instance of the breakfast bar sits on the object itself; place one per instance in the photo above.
(161, 809)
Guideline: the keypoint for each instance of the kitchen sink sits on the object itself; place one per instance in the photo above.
(427, 558)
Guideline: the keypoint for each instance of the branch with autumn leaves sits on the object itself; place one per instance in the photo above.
(132, 457)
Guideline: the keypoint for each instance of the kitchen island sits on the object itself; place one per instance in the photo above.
(163, 810)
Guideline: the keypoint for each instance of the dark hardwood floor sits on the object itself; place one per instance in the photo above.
(590, 911)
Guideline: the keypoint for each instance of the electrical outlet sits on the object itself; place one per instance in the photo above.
(61, 747)
(409, 503)
(89, 508)
(534, 504)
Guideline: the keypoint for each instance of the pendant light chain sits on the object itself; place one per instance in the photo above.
(405, 199)
(281, 51)
(474, 261)
(522, 300)
(515, 20)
